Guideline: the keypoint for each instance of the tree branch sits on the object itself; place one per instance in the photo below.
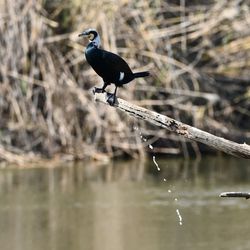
(189, 132)
(235, 194)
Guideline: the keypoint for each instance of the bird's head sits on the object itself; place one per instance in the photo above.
(93, 36)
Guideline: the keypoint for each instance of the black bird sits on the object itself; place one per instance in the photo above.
(111, 67)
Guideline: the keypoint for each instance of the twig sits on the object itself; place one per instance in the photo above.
(235, 194)
(189, 132)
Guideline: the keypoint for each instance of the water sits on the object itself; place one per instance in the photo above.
(126, 205)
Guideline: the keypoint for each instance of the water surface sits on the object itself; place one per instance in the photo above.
(126, 205)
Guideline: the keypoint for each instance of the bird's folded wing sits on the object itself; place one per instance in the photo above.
(115, 62)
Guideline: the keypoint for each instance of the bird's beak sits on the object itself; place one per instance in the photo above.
(83, 34)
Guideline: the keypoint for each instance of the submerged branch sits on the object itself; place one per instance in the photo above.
(235, 194)
(189, 132)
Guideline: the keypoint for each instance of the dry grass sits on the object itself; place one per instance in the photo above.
(198, 54)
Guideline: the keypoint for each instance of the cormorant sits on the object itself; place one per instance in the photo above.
(111, 67)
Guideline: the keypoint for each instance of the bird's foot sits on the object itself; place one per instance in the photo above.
(98, 90)
(110, 99)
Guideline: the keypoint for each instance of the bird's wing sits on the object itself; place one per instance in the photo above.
(115, 62)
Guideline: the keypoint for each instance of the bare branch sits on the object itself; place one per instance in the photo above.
(189, 132)
(235, 194)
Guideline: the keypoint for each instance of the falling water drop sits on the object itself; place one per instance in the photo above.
(156, 164)
(179, 216)
(158, 168)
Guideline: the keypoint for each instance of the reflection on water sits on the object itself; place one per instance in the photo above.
(126, 205)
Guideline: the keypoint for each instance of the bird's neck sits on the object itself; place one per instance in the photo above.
(91, 45)
(96, 42)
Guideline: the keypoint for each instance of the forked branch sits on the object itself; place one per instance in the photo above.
(189, 132)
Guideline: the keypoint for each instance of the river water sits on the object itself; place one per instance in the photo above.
(126, 205)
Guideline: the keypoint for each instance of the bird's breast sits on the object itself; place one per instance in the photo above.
(94, 58)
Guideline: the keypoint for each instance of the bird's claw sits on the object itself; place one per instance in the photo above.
(97, 90)
(110, 99)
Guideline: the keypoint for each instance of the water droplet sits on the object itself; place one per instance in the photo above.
(150, 146)
(169, 191)
(175, 199)
(156, 164)
(164, 179)
(179, 216)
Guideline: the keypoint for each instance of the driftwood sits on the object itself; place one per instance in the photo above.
(235, 194)
(189, 132)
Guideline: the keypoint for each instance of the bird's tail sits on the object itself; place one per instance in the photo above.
(141, 74)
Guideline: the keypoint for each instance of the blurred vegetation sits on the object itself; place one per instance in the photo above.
(197, 51)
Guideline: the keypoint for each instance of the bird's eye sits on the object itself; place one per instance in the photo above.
(91, 36)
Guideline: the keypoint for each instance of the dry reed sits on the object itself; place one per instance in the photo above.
(197, 52)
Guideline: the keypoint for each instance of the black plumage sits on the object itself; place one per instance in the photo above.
(111, 67)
